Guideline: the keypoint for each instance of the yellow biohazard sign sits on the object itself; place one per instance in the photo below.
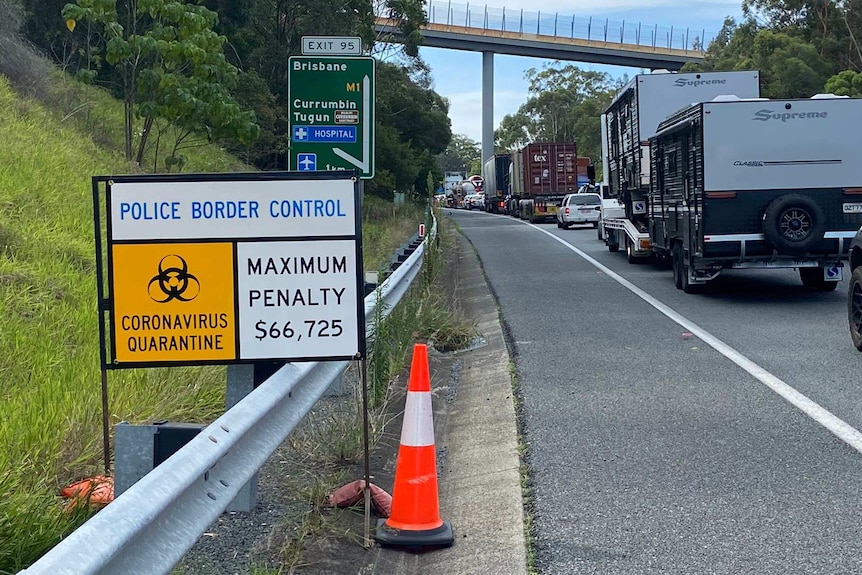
(173, 302)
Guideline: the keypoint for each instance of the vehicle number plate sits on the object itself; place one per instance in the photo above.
(854, 208)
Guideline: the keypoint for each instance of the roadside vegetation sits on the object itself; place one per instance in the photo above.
(50, 424)
(97, 100)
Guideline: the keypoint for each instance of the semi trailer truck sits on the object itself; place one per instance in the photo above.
(542, 173)
(496, 174)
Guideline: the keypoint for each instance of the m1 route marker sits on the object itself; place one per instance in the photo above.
(331, 114)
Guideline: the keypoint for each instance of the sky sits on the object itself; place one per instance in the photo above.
(458, 74)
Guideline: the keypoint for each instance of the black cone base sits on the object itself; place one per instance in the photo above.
(414, 540)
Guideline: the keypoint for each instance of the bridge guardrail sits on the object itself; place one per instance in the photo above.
(564, 25)
(151, 526)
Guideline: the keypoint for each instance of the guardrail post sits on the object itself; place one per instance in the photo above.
(503, 26)
(241, 382)
(556, 18)
(521, 26)
(573, 26)
(622, 31)
(590, 28)
(133, 454)
(607, 20)
(449, 14)
(538, 22)
(485, 25)
(467, 17)
(638, 36)
(670, 38)
(655, 37)
(686, 38)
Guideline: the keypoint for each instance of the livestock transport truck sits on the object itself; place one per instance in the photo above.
(757, 184)
(627, 125)
(496, 174)
(542, 174)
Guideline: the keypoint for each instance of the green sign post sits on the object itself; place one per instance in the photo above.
(331, 114)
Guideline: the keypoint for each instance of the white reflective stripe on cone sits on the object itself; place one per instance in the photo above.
(418, 427)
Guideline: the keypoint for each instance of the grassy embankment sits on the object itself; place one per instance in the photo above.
(50, 419)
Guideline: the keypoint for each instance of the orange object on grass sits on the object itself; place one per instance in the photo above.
(98, 490)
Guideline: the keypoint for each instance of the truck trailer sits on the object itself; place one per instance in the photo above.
(542, 173)
(632, 119)
(496, 174)
(757, 183)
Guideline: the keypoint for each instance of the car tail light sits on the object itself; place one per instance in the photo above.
(567, 211)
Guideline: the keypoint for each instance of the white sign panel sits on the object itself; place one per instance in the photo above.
(331, 46)
(164, 210)
(660, 95)
(781, 144)
(297, 299)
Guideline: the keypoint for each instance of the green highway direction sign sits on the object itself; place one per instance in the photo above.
(331, 114)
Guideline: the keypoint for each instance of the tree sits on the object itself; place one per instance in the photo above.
(172, 68)
(789, 66)
(846, 83)
(412, 128)
(564, 105)
(459, 155)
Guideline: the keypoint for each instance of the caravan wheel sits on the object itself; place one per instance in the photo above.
(793, 224)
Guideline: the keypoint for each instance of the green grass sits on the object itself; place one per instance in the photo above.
(50, 420)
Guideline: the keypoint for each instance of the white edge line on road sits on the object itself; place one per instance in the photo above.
(840, 428)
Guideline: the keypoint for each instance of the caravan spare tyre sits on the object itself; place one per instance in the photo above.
(793, 224)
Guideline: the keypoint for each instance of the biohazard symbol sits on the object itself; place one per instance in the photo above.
(173, 282)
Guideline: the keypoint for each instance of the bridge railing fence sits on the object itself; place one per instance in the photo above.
(561, 25)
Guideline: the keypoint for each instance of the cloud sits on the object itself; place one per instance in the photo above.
(465, 110)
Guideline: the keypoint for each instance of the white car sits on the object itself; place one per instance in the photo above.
(472, 201)
(579, 209)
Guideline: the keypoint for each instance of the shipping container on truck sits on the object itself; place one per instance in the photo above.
(542, 173)
(496, 174)
(632, 119)
(757, 184)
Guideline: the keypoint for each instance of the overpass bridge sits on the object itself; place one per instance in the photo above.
(548, 35)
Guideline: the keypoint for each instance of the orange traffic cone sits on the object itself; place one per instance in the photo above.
(414, 521)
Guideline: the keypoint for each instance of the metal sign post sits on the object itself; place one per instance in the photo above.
(331, 114)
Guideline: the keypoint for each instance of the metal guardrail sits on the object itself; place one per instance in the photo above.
(151, 526)
(564, 25)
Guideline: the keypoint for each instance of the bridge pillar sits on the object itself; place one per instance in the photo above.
(487, 106)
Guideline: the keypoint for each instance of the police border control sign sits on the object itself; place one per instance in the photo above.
(229, 268)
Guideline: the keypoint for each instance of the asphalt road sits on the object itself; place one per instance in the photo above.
(652, 451)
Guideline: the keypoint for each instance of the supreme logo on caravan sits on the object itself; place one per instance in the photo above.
(683, 83)
(766, 115)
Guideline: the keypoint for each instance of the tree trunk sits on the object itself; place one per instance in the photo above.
(145, 133)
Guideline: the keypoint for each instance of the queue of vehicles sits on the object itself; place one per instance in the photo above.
(722, 179)
(703, 174)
